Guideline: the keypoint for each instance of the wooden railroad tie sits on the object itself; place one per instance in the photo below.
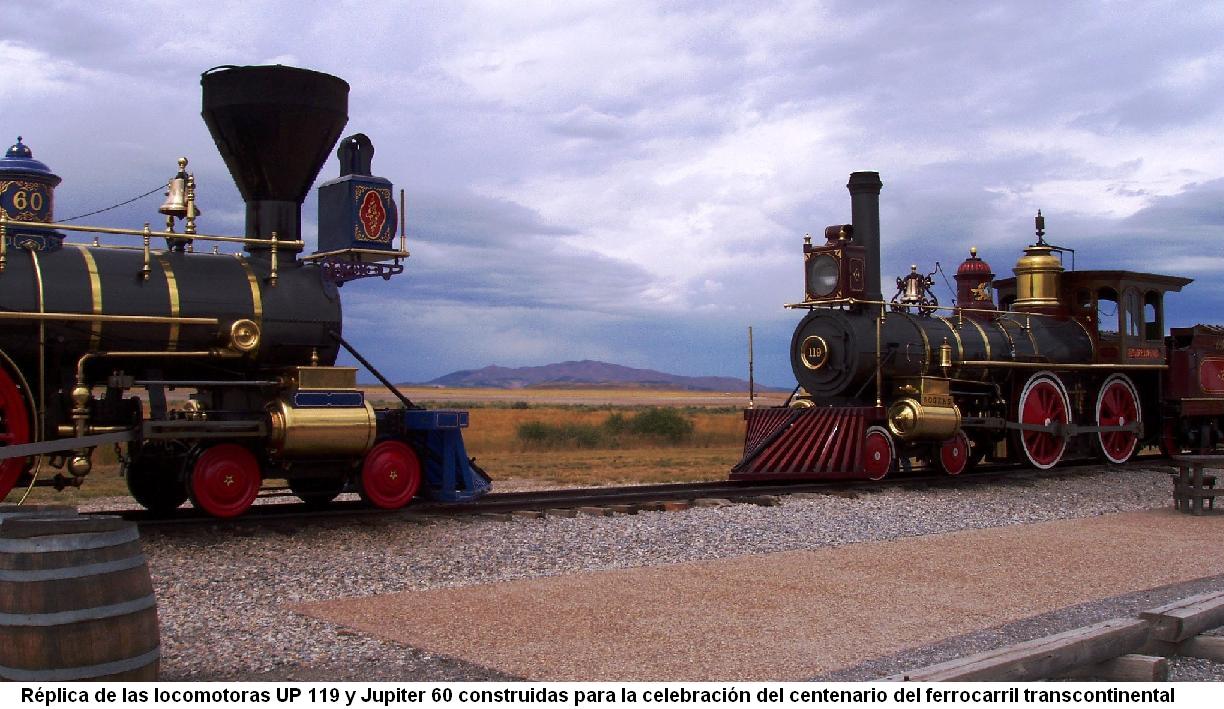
(1121, 649)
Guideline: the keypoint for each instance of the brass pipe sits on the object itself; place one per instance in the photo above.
(42, 343)
(1056, 366)
(145, 270)
(272, 275)
(3, 244)
(859, 301)
(879, 361)
(4, 221)
(80, 368)
(401, 220)
(86, 317)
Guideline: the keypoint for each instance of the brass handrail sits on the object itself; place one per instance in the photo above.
(246, 241)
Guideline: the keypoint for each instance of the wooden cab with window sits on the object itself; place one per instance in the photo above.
(1123, 311)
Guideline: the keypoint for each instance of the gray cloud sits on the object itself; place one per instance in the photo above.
(632, 180)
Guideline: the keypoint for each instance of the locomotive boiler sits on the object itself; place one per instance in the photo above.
(214, 370)
(1049, 364)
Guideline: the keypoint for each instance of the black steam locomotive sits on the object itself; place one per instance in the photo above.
(1066, 363)
(252, 338)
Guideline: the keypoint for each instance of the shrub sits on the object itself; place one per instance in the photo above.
(667, 424)
(568, 435)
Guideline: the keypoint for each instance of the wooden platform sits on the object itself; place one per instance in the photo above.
(792, 615)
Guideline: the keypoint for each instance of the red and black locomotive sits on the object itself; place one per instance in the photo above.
(1051, 364)
(210, 371)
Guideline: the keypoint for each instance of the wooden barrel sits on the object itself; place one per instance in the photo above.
(76, 600)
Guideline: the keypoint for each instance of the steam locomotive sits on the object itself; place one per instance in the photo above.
(1064, 363)
(251, 338)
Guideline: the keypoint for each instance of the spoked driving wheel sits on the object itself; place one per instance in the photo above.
(1118, 405)
(14, 430)
(1043, 402)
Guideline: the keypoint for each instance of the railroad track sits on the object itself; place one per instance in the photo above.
(278, 505)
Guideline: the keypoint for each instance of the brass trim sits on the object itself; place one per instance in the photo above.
(42, 338)
(256, 293)
(926, 345)
(1011, 342)
(1091, 340)
(82, 317)
(95, 292)
(1055, 366)
(316, 378)
(80, 367)
(295, 245)
(820, 353)
(256, 297)
(244, 335)
(985, 338)
(172, 294)
(358, 255)
(1028, 330)
(960, 346)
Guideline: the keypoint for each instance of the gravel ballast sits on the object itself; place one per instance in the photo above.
(225, 596)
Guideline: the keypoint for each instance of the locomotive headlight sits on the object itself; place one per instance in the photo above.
(822, 274)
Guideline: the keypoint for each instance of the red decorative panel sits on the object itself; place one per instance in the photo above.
(373, 215)
(1211, 375)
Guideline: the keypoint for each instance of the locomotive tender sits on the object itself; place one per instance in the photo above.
(252, 337)
(1065, 363)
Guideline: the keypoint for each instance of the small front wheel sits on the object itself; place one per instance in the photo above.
(390, 475)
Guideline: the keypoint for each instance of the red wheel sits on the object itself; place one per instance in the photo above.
(1118, 405)
(879, 454)
(1043, 402)
(390, 475)
(225, 480)
(952, 456)
(14, 430)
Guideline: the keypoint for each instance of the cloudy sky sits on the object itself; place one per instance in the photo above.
(631, 181)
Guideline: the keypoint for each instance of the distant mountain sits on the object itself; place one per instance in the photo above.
(584, 374)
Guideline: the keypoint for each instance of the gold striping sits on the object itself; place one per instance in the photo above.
(1091, 342)
(960, 346)
(42, 340)
(173, 296)
(95, 292)
(1011, 344)
(926, 343)
(1028, 329)
(985, 339)
(256, 295)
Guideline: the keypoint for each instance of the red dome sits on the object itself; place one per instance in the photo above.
(974, 266)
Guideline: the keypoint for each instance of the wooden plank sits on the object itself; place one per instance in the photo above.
(1127, 668)
(1040, 658)
(1207, 647)
(1183, 619)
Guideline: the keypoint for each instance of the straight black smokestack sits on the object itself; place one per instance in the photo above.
(865, 215)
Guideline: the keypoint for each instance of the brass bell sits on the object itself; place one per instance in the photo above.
(176, 193)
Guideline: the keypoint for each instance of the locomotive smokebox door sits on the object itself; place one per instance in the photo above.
(356, 210)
